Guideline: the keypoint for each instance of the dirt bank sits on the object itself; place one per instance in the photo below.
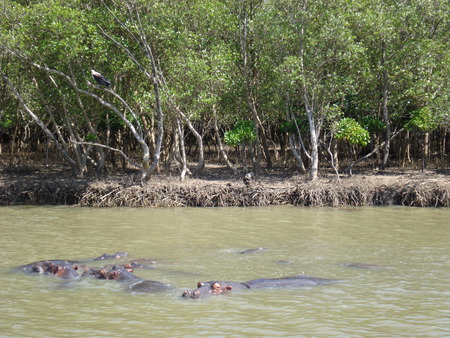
(219, 188)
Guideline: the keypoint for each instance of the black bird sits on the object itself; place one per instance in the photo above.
(248, 179)
(100, 78)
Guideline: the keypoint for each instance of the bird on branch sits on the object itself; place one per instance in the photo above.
(100, 78)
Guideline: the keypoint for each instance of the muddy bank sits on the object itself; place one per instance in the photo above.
(431, 189)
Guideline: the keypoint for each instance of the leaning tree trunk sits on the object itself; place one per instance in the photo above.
(296, 151)
(41, 124)
(152, 75)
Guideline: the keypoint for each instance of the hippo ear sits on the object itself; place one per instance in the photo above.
(200, 284)
(75, 267)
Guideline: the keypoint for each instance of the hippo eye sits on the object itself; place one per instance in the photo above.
(216, 286)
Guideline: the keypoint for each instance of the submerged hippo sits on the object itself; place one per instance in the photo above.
(129, 266)
(65, 269)
(115, 274)
(149, 286)
(121, 273)
(363, 266)
(125, 275)
(42, 266)
(213, 288)
(58, 268)
(116, 255)
(249, 251)
(35, 266)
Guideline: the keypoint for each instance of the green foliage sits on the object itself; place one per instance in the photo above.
(422, 119)
(91, 137)
(6, 121)
(291, 126)
(372, 125)
(327, 55)
(243, 132)
(350, 130)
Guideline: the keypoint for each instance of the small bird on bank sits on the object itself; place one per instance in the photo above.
(248, 179)
(100, 78)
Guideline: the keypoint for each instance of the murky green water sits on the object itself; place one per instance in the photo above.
(410, 297)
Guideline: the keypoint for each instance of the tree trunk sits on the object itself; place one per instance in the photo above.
(314, 144)
(387, 135)
(249, 73)
(198, 137)
(406, 150)
(180, 150)
(219, 142)
(39, 122)
(296, 151)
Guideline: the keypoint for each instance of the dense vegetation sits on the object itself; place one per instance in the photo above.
(322, 82)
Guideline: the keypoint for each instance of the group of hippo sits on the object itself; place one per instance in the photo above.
(124, 273)
(66, 269)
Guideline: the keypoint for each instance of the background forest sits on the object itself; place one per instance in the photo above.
(253, 84)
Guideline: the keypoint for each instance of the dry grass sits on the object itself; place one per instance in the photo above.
(409, 188)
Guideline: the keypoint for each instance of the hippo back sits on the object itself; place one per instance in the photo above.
(291, 281)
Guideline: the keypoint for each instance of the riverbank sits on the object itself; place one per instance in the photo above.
(220, 189)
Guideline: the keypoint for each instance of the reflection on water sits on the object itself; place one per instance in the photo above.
(408, 296)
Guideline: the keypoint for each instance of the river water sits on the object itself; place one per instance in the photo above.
(409, 295)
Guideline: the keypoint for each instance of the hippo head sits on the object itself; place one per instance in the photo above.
(66, 272)
(37, 268)
(121, 275)
(115, 255)
(214, 288)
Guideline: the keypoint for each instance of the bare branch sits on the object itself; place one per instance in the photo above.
(38, 120)
(130, 161)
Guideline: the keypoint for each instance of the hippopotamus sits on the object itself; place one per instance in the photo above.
(249, 251)
(66, 272)
(149, 286)
(122, 273)
(58, 268)
(36, 266)
(42, 266)
(214, 288)
(106, 256)
(363, 266)
(126, 275)
(115, 274)
(129, 266)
